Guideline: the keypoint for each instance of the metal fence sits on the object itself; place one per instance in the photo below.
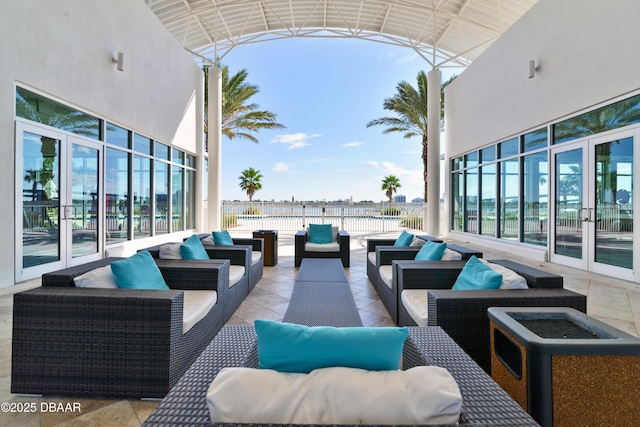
(246, 216)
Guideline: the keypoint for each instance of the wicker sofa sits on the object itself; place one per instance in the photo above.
(300, 241)
(382, 252)
(238, 256)
(463, 314)
(111, 342)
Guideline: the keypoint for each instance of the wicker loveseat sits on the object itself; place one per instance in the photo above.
(111, 342)
(301, 248)
(463, 314)
(257, 254)
(381, 252)
(239, 256)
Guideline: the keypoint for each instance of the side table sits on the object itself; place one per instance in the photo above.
(270, 245)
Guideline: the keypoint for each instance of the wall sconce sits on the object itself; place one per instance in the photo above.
(533, 68)
(119, 61)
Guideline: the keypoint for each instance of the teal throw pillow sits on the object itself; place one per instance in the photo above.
(288, 347)
(431, 251)
(222, 238)
(320, 233)
(404, 239)
(138, 272)
(475, 276)
(192, 249)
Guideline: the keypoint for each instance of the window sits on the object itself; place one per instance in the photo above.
(471, 200)
(535, 207)
(508, 148)
(177, 199)
(534, 140)
(488, 154)
(142, 144)
(141, 197)
(488, 200)
(509, 196)
(161, 192)
(118, 136)
(116, 196)
(614, 116)
(39, 109)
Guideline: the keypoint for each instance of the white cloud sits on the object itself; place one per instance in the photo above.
(353, 144)
(280, 167)
(295, 140)
(374, 163)
(405, 175)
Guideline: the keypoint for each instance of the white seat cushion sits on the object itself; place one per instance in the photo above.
(386, 274)
(371, 256)
(236, 272)
(256, 256)
(415, 301)
(336, 395)
(322, 247)
(196, 306)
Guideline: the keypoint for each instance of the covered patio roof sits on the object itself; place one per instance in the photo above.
(445, 33)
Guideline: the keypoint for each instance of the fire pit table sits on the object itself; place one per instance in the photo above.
(564, 367)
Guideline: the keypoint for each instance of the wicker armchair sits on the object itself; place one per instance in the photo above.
(463, 314)
(237, 255)
(301, 239)
(111, 342)
(385, 255)
(257, 247)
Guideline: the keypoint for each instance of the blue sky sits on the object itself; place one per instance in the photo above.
(325, 91)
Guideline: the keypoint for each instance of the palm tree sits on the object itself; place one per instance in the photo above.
(250, 182)
(239, 119)
(390, 185)
(410, 104)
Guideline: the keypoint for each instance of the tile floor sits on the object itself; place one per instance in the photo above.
(613, 301)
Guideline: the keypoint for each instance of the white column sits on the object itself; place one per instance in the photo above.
(214, 198)
(433, 154)
(200, 170)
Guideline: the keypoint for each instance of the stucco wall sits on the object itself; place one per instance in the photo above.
(64, 48)
(588, 54)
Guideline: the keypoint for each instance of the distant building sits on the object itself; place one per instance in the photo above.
(400, 198)
(417, 200)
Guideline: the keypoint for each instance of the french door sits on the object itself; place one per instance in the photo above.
(594, 205)
(59, 207)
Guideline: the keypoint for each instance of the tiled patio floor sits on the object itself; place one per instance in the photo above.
(613, 301)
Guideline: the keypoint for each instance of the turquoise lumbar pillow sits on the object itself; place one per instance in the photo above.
(320, 233)
(431, 251)
(288, 347)
(138, 272)
(192, 249)
(222, 238)
(404, 239)
(475, 276)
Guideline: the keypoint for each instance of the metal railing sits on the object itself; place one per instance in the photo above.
(246, 216)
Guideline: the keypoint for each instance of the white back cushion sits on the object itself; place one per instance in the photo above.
(510, 279)
(170, 251)
(236, 272)
(100, 277)
(420, 395)
(386, 274)
(451, 255)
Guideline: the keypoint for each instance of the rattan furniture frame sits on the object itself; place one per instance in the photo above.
(484, 402)
(385, 255)
(111, 342)
(463, 314)
(302, 237)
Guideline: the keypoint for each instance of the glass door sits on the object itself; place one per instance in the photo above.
(594, 205)
(60, 206)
